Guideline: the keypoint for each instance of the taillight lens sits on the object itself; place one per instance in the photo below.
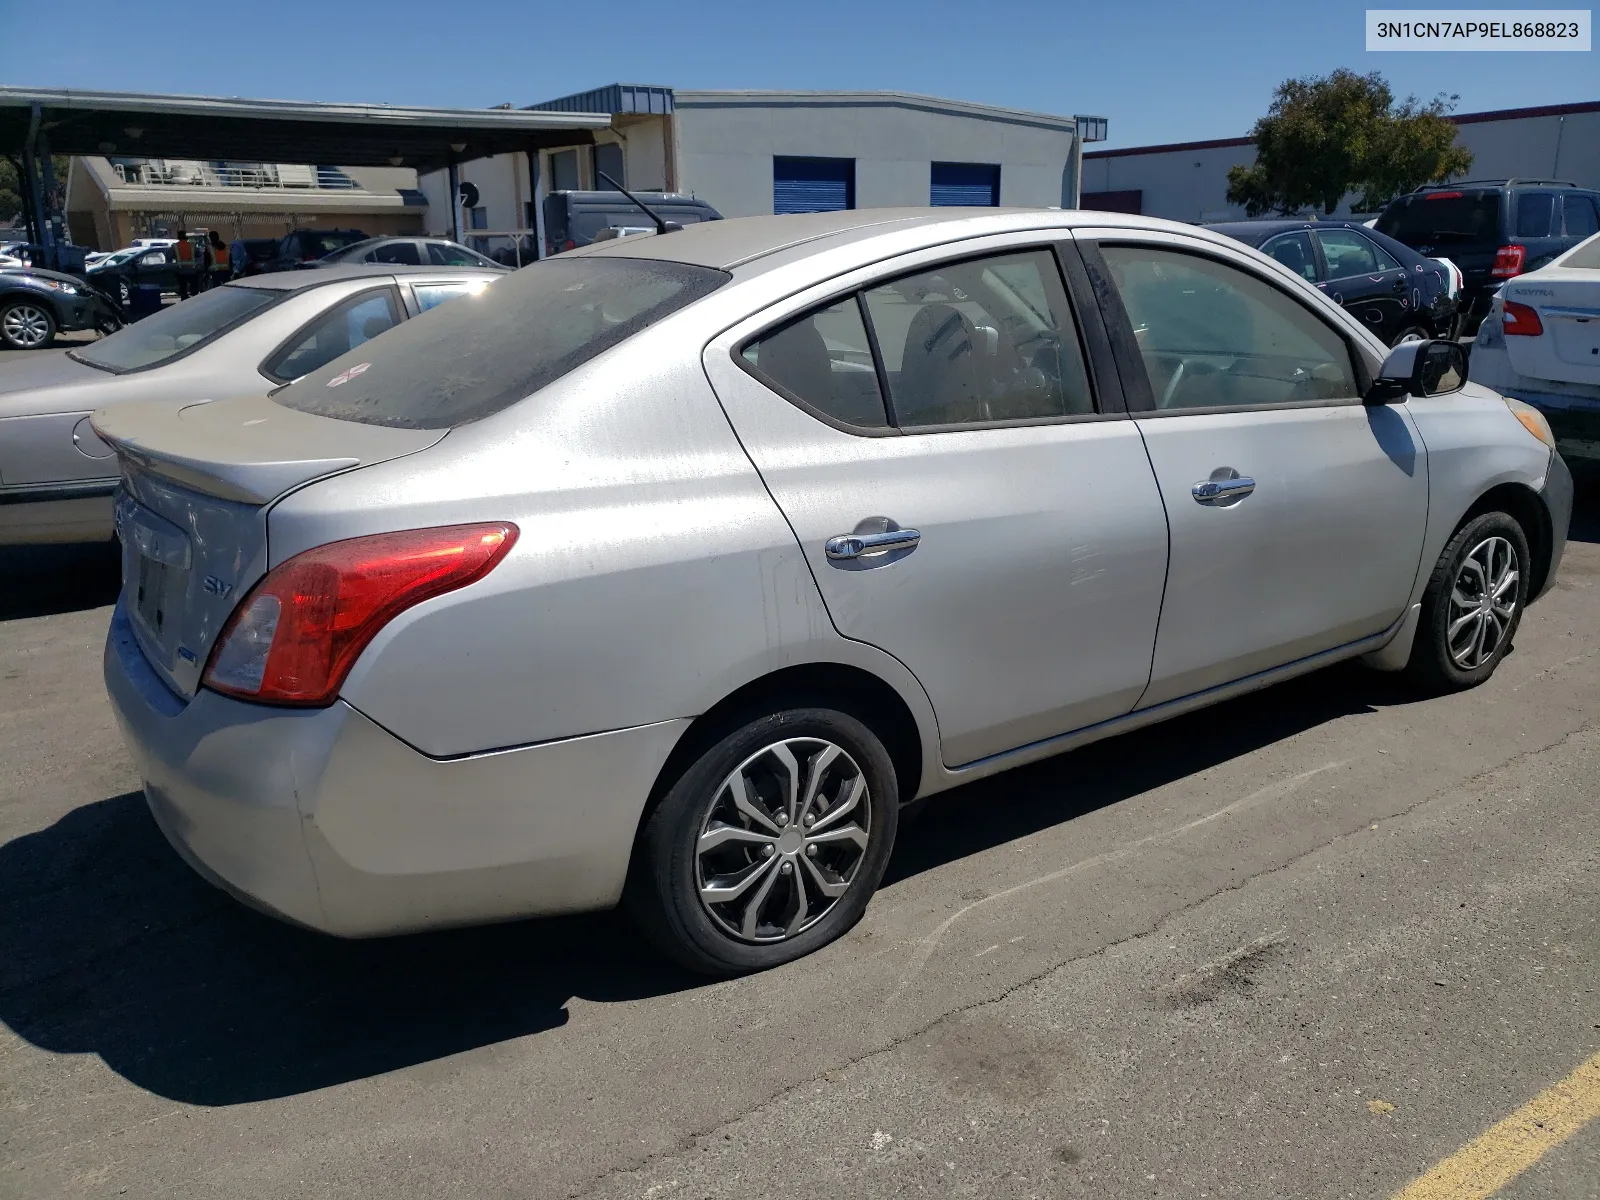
(295, 637)
(1508, 261)
(1521, 320)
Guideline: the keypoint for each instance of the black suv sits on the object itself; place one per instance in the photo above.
(1493, 229)
(302, 247)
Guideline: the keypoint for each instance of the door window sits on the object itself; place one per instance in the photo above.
(442, 254)
(156, 258)
(824, 360)
(989, 339)
(1212, 335)
(402, 253)
(431, 295)
(341, 329)
(1348, 254)
(1578, 217)
(1294, 251)
(1534, 210)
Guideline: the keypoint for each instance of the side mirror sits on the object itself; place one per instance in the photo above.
(1421, 368)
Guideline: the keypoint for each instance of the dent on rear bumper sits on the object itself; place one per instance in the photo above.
(324, 818)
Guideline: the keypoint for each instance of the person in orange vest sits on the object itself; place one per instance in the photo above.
(188, 268)
(217, 259)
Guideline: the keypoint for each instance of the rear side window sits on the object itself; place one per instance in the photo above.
(403, 253)
(1443, 219)
(442, 255)
(1347, 254)
(1294, 251)
(1578, 217)
(339, 330)
(1534, 210)
(824, 360)
(475, 356)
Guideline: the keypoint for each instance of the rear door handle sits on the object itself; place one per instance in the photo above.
(860, 545)
(1220, 491)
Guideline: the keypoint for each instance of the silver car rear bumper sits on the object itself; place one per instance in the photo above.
(323, 818)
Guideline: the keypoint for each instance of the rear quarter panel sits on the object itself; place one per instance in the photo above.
(653, 574)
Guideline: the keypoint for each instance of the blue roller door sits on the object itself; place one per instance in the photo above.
(813, 184)
(955, 185)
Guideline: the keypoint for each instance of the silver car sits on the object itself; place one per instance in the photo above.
(668, 570)
(56, 476)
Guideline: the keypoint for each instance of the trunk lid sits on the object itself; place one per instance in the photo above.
(197, 482)
(1567, 300)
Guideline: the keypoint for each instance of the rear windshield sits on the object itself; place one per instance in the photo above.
(466, 360)
(1442, 219)
(177, 329)
(1587, 254)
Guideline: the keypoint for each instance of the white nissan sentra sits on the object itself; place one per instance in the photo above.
(665, 572)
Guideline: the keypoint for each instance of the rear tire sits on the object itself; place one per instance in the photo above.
(735, 871)
(1472, 605)
(1411, 333)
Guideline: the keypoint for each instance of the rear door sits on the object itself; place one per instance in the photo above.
(1365, 278)
(1296, 512)
(930, 430)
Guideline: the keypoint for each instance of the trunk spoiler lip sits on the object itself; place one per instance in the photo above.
(246, 450)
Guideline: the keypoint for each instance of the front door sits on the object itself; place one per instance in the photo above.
(931, 435)
(1297, 512)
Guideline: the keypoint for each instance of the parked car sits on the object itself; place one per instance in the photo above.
(1541, 344)
(411, 251)
(303, 247)
(258, 252)
(1493, 229)
(572, 219)
(118, 275)
(242, 339)
(36, 304)
(1400, 294)
(714, 548)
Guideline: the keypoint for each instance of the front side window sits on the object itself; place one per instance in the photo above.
(338, 331)
(1294, 251)
(1348, 254)
(178, 329)
(443, 254)
(1212, 335)
(401, 253)
(1534, 210)
(985, 340)
(824, 360)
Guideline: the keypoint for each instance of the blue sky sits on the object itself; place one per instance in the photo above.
(1161, 71)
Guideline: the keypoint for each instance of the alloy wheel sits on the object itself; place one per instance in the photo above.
(783, 839)
(26, 325)
(1483, 599)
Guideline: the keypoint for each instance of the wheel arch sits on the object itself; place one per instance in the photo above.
(1522, 504)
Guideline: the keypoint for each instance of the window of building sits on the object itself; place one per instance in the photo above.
(608, 158)
(564, 171)
(813, 184)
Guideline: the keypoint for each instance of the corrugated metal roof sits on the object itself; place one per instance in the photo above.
(618, 98)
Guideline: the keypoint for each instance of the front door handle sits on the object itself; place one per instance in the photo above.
(861, 545)
(1223, 491)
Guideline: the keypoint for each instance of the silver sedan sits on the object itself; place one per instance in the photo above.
(667, 571)
(56, 476)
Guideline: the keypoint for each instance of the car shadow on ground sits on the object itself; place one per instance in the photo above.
(41, 580)
(110, 945)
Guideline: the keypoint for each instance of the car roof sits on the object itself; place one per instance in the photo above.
(293, 281)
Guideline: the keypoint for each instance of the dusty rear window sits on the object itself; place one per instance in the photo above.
(1442, 219)
(471, 358)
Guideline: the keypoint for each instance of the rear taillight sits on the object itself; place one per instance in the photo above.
(1520, 320)
(295, 637)
(1508, 261)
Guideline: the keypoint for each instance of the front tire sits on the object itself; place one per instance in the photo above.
(1472, 605)
(1411, 333)
(25, 325)
(769, 846)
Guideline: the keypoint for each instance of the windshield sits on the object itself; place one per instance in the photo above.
(1443, 219)
(478, 355)
(178, 329)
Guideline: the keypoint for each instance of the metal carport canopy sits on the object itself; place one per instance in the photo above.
(137, 125)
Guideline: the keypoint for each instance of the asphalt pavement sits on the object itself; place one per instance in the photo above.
(1308, 943)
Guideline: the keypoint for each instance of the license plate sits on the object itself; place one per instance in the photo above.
(151, 597)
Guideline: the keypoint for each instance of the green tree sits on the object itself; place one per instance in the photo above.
(11, 185)
(1325, 137)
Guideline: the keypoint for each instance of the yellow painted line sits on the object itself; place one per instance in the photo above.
(1502, 1152)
